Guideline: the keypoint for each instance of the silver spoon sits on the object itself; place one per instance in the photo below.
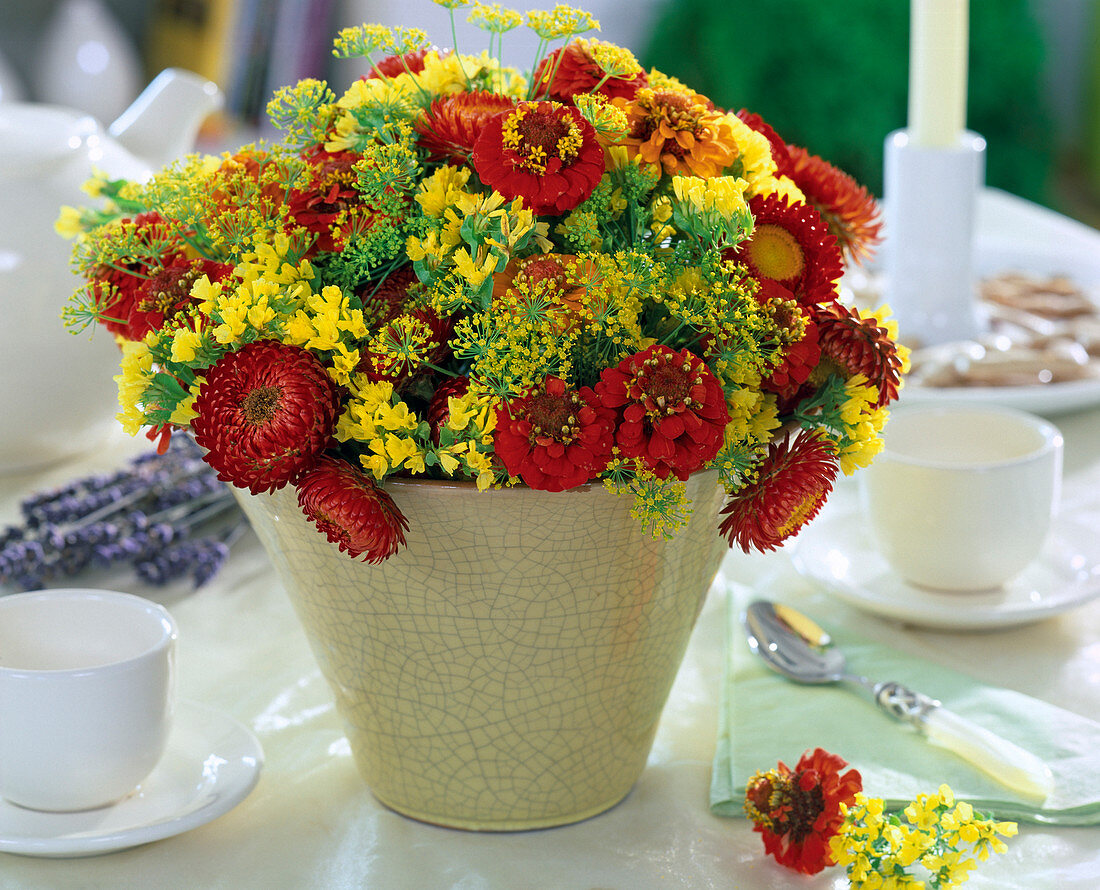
(793, 645)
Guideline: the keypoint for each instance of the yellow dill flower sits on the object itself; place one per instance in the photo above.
(616, 61)
(561, 21)
(658, 80)
(494, 18)
(361, 40)
(607, 119)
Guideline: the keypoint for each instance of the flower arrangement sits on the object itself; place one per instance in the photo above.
(816, 816)
(584, 273)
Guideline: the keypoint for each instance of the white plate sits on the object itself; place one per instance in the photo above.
(837, 551)
(210, 765)
(1039, 258)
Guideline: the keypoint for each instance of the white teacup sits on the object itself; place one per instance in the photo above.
(962, 496)
(86, 696)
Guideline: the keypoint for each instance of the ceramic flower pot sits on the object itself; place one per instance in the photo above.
(507, 670)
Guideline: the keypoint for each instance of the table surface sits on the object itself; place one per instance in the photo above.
(312, 823)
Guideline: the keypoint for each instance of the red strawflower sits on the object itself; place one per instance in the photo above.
(790, 244)
(851, 344)
(452, 124)
(792, 483)
(351, 510)
(798, 811)
(575, 70)
(778, 146)
(542, 152)
(265, 413)
(673, 410)
(556, 438)
(798, 337)
(438, 411)
(392, 66)
(848, 209)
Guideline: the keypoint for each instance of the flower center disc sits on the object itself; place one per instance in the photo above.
(776, 253)
(261, 405)
(667, 388)
(552, 416)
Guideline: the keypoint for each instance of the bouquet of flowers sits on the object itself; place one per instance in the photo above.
(585, 272)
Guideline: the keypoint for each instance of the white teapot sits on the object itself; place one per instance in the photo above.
(57, 395)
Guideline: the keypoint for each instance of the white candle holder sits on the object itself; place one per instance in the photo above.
(930, 197)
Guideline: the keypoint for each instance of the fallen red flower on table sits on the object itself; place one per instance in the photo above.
(798, 811)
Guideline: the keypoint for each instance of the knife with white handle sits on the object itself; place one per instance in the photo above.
(1003, 760)
(795, 646)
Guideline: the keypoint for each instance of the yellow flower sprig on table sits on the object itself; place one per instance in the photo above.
(816, 815)
(938, 844)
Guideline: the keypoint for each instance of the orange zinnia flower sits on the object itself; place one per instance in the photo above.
(681, 131)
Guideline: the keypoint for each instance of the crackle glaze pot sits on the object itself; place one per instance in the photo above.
(506, 670)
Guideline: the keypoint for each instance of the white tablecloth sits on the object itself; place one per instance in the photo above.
(311, 822)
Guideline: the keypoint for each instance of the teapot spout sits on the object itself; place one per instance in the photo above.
(161, 124)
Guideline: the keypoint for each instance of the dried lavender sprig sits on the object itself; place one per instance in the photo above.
(201, 558)
(85, 496)
(127, 516)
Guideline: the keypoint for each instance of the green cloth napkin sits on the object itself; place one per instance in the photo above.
(764, 718)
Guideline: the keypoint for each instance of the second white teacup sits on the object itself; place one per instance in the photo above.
(962, 496)
(86, 696)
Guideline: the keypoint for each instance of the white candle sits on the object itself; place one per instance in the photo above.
(937, 71)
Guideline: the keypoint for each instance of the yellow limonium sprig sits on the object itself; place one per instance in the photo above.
(327, 322)
(935, 847)
(396, 440)
(714, 209)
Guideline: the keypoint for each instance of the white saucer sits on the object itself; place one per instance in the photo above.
(210, 765)
(837, 551)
